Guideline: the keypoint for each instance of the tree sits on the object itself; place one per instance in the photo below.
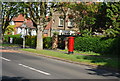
(113, 18)
(10, 29)
(9, 10)
(101, 17)
(108, 18)
(37, 12)
(84, 15)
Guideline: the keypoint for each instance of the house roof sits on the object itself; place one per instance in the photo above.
(18, 24)
(27, 22)
(19, 18)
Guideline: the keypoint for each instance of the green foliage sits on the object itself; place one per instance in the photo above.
(86, 43)
(16, 38)
(9, 10)
(84, 15)
(9, 29)
(86, 33)
(111, 32)
(108, 19)
(47, 42)
(99, 45)
(30, 41)
(18, 41)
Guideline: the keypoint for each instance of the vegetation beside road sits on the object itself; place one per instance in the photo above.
(109, 62)
(90, 58)
(9, 45)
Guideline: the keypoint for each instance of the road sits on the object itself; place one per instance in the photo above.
(27, 66)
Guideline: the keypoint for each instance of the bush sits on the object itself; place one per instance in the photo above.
(86, 43)
(47, 42)
(31, 41)
(97, 44)
(16, 38)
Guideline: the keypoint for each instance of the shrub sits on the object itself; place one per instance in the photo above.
(16, 38)
(31, 41)
(86, 43)
(47, 42)
(97, 44)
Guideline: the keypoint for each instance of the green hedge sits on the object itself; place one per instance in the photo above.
(16, 39)
(47, 42)
(99, 45)
(29, 40)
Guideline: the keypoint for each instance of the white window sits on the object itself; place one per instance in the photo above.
(70, 23)
(61, 21)
(19, 30)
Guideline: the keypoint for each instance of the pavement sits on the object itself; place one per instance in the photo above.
(24, 65)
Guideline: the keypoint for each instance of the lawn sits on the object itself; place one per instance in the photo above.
(109, 62)
(9, 45)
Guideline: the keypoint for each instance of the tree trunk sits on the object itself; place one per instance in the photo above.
(1, 37)
(39, 45)
(66, 43)
(55, 42)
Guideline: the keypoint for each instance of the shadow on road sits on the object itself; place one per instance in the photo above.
(103, 72)
(7, 78)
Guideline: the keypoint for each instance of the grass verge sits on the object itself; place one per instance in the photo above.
(111, 62)
(9, 45)
(84, 53)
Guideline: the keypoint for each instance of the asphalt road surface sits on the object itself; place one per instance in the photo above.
(27, 66)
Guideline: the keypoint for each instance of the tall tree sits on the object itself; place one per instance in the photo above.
(108, 18)
(9, 10)
(37, 12)
(84, 15)
(113, 18)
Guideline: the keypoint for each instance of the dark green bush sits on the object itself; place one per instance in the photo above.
(97, 44)
(47, 42)
(31, 41)
(16, 38)
(86, 43)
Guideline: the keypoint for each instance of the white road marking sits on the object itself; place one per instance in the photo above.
(5, 59)
(34, 69)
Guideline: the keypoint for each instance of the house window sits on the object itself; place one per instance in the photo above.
(45, 31)
(70, 23)
(61, 22)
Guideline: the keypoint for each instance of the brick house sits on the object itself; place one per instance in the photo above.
(57, 25)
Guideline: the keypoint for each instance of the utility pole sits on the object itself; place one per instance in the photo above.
(24, 36)
(24, 31)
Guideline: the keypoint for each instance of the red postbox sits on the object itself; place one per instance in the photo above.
(70, 45)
